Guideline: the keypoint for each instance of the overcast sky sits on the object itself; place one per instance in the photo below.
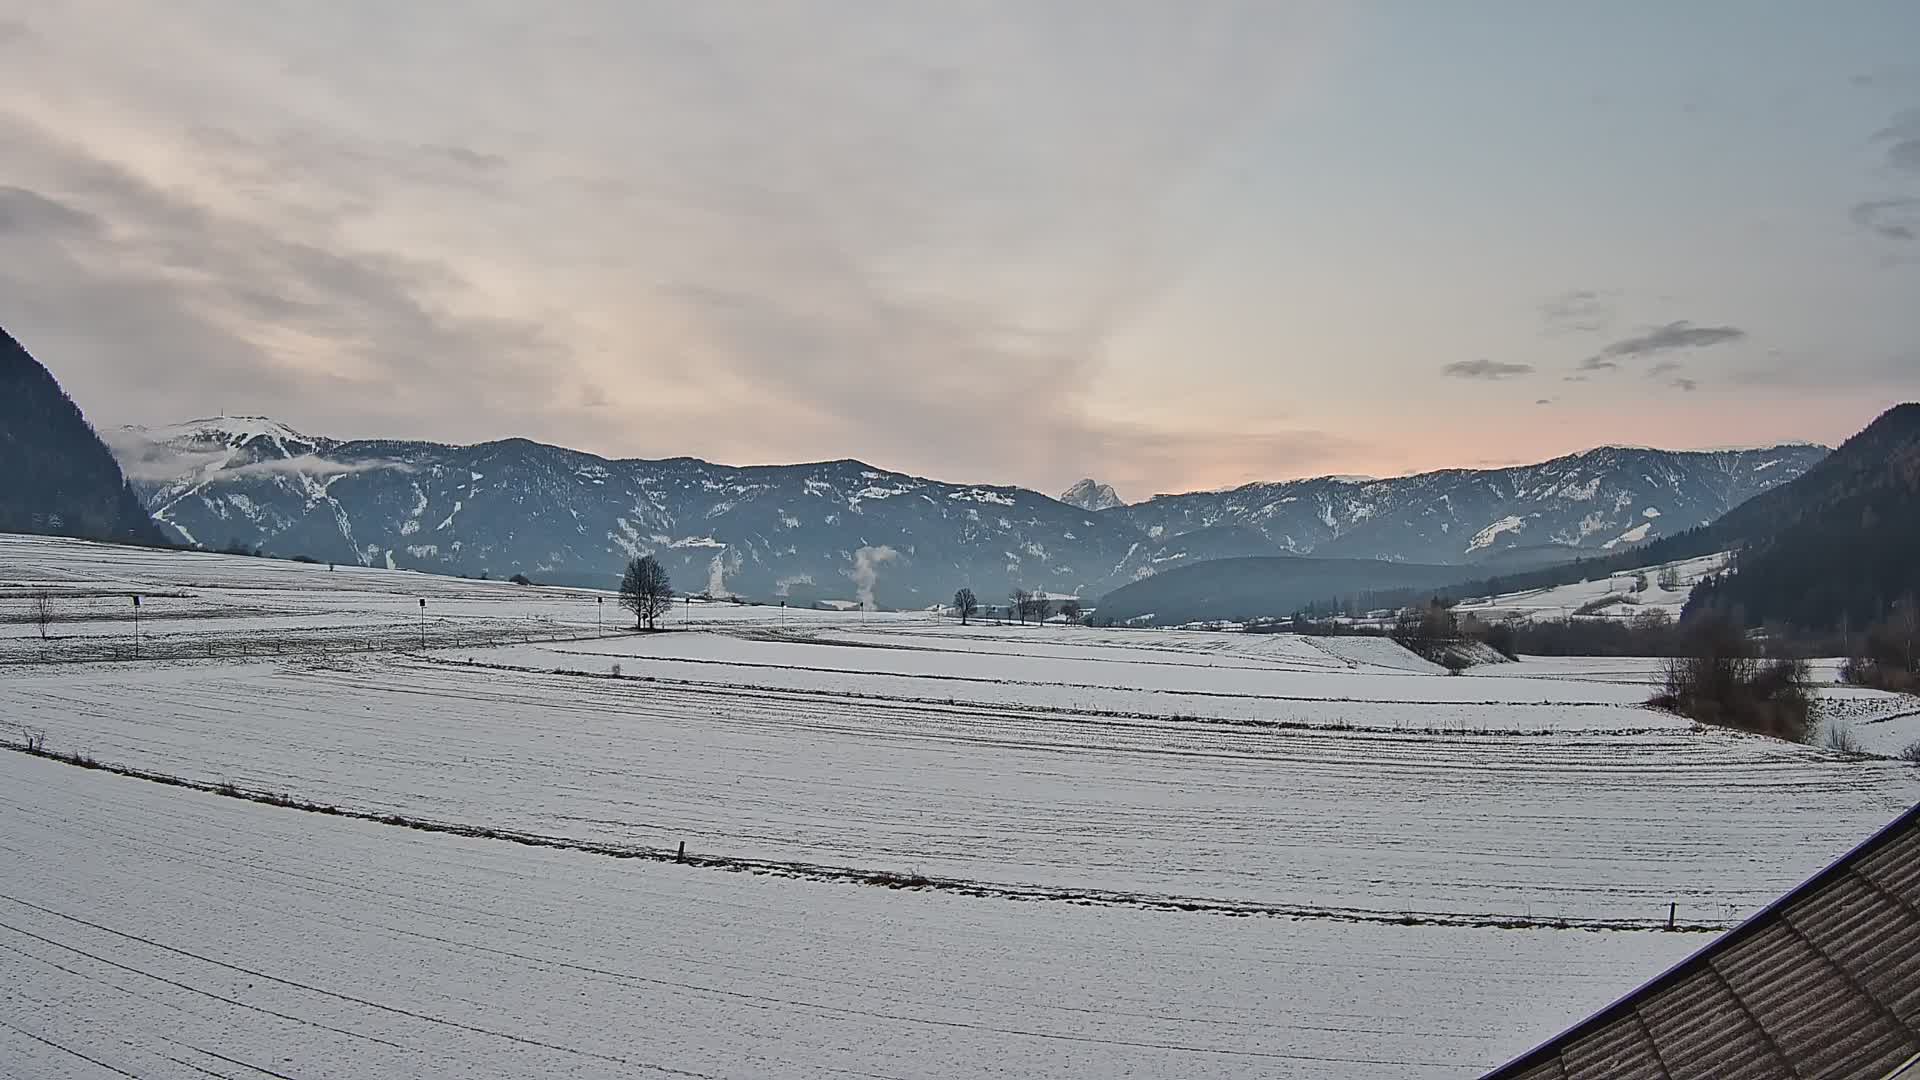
(1166, 244)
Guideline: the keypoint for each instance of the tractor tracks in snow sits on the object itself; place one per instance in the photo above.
(878, 878)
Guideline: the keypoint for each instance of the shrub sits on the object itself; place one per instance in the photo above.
(520, 579)
(1911, 753)
(1720, 680)
(1601, 603)
(1886, 657)
(1503, 638)
(1840, 737)
(1426, 630)
(1867, 672)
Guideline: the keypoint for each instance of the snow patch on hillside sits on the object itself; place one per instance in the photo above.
(1485, 537)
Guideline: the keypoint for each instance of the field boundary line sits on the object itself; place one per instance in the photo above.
(891, 879)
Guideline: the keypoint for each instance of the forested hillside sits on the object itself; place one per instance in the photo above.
(56, 476)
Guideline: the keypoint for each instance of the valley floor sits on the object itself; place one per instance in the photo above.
(916, 849)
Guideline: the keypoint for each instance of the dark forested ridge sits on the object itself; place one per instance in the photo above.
(56, 476)
(1838, 545)
(1259, 588)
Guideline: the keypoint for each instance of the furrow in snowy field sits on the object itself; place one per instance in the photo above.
(1557, 826)
(163, 932)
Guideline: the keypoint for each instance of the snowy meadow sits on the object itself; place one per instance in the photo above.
(336, 832)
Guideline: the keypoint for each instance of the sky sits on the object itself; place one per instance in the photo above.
(1167, 245)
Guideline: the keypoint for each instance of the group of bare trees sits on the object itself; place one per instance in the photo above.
(1887, 655)
(1025, 606)
(966, 605)
(1719, 677)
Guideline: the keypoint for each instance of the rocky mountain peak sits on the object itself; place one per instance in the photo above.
(1089, 494)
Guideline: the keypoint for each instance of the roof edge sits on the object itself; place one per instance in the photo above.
(1746, 929)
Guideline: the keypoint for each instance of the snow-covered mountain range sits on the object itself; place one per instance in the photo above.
(1602, 499)
(846, 530)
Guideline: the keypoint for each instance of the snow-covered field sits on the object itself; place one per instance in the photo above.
(164, 933)
(1610, 597)
(1158, 853)
(196, 605)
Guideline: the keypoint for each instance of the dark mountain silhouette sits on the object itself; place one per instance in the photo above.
(1841, 543)
(56, 476)
(1254, 588)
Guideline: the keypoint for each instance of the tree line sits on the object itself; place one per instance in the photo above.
(1022, 605)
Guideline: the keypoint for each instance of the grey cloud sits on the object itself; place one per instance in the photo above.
(1584, 311)
(1688, 385)
(1544, 401)
(1796, 369)
(314, 465)
(893, 238)
(144, 460)
(472, 159)
(1672, 336)
(1485, 369)
(1902, 137)
(23, 211)
(1664, 367)
(1891, 77)
(1895, 219)
(179, 289)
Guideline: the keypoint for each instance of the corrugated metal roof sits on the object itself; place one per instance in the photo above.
(1824, 983)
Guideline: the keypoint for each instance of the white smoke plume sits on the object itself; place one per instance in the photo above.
(717, 576)
(866, 572)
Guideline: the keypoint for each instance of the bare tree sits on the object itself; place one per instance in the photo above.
(966, 604)
(1427, 630)
(646, 591)
(1019, 603)
(43, 611)
(1906, 625)
(1042, 606)
(1071, 609)
(1670, 579)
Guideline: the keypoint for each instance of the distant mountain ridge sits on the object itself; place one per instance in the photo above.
(56, 476)
(845, 530)
(1604, 498)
